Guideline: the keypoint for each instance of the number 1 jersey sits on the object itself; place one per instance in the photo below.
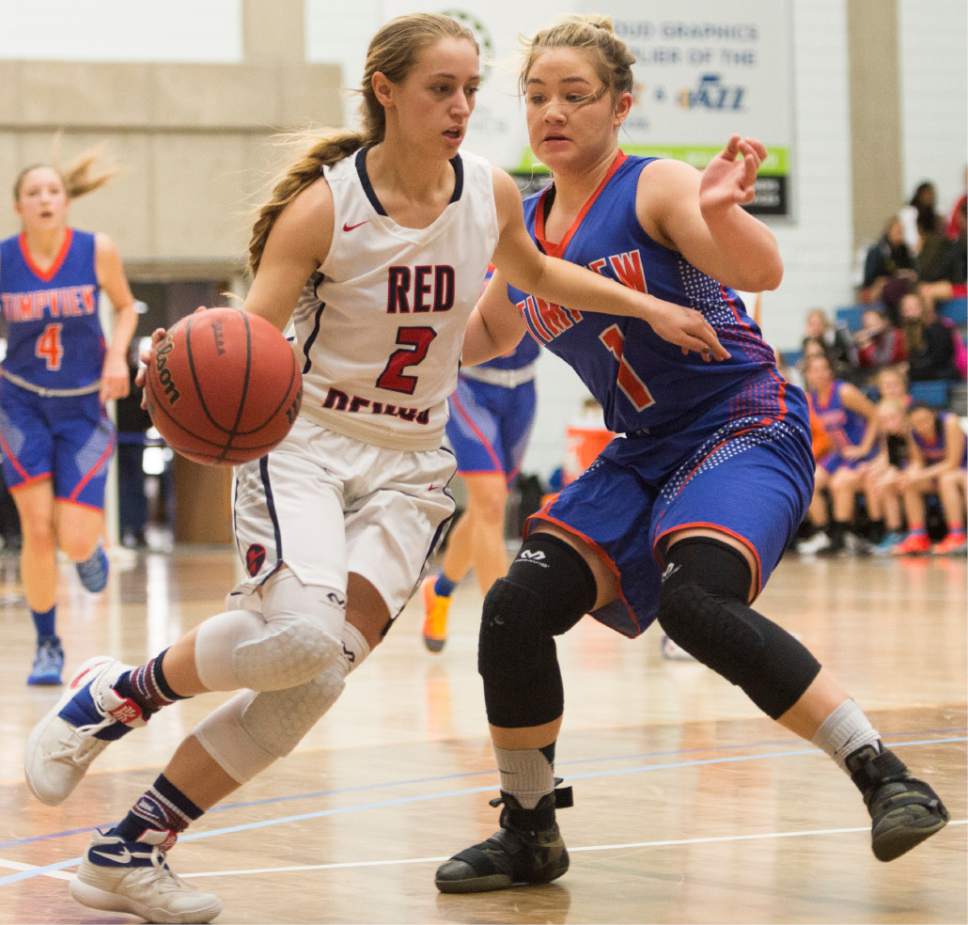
(640, 380)
(379, 328)
(54, 336)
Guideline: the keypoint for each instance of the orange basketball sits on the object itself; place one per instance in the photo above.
(223, 387)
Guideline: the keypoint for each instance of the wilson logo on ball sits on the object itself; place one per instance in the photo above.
(164, 373)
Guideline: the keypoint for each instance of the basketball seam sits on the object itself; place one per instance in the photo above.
(286, 398)
(245, 384)
(197, 385)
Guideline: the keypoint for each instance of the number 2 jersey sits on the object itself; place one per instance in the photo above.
(641, 381)
(380, 327)
(54, 336)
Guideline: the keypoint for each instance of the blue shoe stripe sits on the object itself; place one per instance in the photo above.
(81, 711)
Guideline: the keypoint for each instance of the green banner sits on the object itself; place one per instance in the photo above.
(777, 163)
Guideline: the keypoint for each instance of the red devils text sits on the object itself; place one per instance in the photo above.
(354, 404)
(420, 289)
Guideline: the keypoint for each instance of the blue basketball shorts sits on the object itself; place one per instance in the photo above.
(68, 440)
(743, 468)
(489, 426)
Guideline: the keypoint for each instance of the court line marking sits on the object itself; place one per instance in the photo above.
(621, 846)
(463, 775)
(466, 791)
(19, 865)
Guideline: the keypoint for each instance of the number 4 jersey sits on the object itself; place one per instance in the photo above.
(380, 327)
(54, 337)
(641, 381)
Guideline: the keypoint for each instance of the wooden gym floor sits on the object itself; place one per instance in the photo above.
(690, 805)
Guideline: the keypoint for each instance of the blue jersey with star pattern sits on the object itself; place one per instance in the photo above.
(641, 381)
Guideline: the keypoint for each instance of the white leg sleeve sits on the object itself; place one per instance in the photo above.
(250, 731)
(292, 641)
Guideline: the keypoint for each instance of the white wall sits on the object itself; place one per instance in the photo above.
(934, 100)
(122, 30)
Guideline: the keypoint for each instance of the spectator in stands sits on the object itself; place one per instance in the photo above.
(946, 278)
(925, 201)
(927, 340)
(879, 343)
(889, 259)
(892, 385)
(849, 417)
(881, 482)
(937, 452)
(835, 340)
(951, 228)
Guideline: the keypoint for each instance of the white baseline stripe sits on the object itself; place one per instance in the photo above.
(17, 865)
(664, 843)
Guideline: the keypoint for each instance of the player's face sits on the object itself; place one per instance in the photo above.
(42, 203)
(573, 118)
(818, 373)
(891, 386)
(433, 104)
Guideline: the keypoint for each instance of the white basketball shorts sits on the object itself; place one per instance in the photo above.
(326, 504)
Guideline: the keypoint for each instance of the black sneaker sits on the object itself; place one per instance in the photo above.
(905, 811)
(527, 849)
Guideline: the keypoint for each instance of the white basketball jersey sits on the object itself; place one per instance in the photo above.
(380, 329)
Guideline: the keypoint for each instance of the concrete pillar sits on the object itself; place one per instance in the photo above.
(875, 114)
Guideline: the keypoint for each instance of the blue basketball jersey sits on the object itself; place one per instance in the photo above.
(640, 380)
(935, 449)
(845, 427)
(524, 354)
(54, 336)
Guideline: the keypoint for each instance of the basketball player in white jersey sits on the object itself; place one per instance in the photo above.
(394, 231)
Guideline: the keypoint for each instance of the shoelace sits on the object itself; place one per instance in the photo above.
(79, 746)
(165, 878)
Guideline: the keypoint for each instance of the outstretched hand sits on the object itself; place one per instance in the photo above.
(686, 328)
(147, 357)
(729, 179)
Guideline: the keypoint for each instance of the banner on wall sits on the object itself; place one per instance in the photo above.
(704, 70)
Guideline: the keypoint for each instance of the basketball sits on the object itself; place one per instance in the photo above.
(223, 387)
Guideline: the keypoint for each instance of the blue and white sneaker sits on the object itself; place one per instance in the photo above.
(88, 716)
(93, 572)
(884, 547)
(133, 876)
(48, 663)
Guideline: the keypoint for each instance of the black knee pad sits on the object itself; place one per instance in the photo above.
(703, 609)
(548, 589)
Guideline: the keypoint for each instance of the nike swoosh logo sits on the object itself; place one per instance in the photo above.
(348, 227)
(122, 857)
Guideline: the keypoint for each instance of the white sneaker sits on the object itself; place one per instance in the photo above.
(819, 542)
(88, 716)
(133, 876)
(674, 652)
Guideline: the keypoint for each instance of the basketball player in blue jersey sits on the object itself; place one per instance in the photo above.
(55, 437)
(491, 413)
(850, 418)
(374, 243)
(938, 453)
(684, 517)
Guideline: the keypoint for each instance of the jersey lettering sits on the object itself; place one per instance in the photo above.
(634, 389)
(420, 289)
(417, 341)
(48, 347)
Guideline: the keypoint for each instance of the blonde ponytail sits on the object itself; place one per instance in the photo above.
(324, 152)
(79, 177)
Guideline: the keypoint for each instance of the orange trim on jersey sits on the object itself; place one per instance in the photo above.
(48, 274)
(781, 398)
(462, 411)
(89, 507)
(29, 480)
(556, 250)
(705, 525)
(604, 556)
(739, 433)
(106, 455)
(21, 471)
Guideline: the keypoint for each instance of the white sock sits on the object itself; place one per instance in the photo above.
(844, 731)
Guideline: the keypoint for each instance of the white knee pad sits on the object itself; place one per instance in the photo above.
(250, 731)
(292, 641)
